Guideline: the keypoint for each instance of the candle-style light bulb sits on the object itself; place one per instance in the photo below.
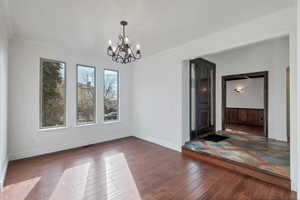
(126, 40)
(109, 42)
(138, 47)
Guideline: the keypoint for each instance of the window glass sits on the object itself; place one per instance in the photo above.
(52, 91)
(86, 94)
(111, 95)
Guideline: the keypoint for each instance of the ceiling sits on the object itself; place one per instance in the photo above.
(87, 25)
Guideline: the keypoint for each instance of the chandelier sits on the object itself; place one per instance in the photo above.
(123, 52)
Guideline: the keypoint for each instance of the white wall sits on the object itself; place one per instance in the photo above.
(251, 97)
(296, 96)
(161, 81)
(3, 93)
(271, 56)
(25, 138)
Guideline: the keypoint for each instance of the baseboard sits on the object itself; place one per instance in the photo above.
(3, 173)
(278, 140)
(47, 150)
(159, 142)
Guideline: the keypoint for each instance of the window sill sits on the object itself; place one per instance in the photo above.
(112, 122)
(84, 125)
(52, 129)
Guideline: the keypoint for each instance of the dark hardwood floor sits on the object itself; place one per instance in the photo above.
(245, 129)
(129, 169)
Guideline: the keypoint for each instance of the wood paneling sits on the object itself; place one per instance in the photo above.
(241, 168)
(245, 116)
(261, 118)
(129, 169)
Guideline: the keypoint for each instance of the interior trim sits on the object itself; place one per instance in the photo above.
(3, 173)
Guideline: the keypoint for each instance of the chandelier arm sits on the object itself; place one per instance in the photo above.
(123, 61)
(117, 53)
(119, 58)
(133, 58)
(135, 54)
(109, 52)
(132, 53)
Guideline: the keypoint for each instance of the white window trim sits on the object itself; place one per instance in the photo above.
(49, 128)
(119, 96)
(112, 122)
(52, 128)
(84, 124)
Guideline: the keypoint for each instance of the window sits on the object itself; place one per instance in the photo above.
(86, 94)
(52, 94)
(111, 95)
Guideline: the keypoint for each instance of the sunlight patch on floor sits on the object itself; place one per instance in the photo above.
(19, 191)
(72, 183)
(236, 131)
(119, 180)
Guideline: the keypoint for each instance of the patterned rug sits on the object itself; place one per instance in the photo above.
(256, 151)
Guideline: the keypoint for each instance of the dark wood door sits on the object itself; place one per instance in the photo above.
(202, 93)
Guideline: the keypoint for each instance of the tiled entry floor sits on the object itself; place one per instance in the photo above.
(256, 151)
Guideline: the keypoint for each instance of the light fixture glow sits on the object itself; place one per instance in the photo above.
(239, 89)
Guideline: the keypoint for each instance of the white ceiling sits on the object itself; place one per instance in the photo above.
(87, 25)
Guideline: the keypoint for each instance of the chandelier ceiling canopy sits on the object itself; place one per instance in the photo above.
(123, 52)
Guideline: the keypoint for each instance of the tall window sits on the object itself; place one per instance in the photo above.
(52, 94)
(86, 94)
(111, 95)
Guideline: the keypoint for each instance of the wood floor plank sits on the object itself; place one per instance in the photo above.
(128, 169)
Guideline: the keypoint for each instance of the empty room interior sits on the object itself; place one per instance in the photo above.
(149, 100)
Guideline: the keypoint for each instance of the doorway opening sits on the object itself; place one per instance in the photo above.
(245, 103)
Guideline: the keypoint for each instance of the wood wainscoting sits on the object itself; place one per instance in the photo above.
(244, 116)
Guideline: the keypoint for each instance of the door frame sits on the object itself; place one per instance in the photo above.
(190, 93)
(262, 74)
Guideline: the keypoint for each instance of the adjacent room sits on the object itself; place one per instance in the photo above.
(253, 85)
(244, 112)
(149, 100)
